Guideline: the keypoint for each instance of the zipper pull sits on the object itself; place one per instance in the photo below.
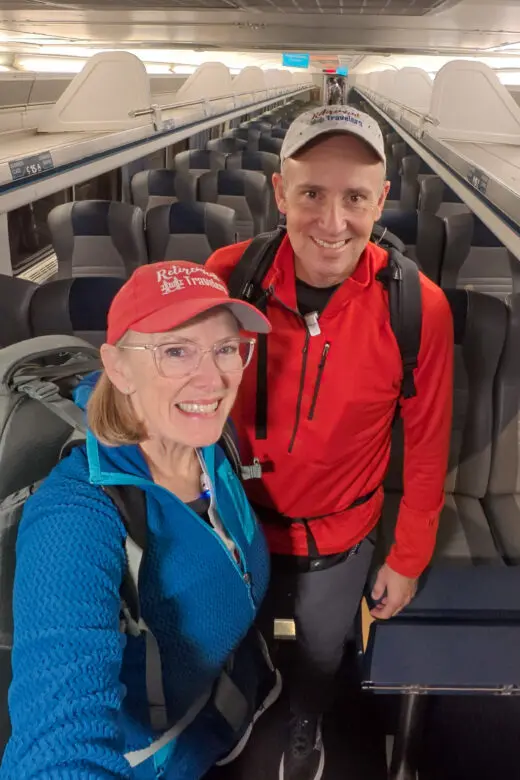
(252, 472)
(311, 320)
(324, 354)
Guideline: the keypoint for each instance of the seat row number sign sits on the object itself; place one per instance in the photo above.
(479, 180)
(31, 166)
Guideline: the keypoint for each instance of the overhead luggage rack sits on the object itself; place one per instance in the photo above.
(474, 145)
(106, 118)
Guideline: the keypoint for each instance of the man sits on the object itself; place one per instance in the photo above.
(332, 382)
(334, 93)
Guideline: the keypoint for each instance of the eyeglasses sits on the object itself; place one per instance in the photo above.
(175, 360)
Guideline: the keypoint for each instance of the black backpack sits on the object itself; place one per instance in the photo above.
(400, 277)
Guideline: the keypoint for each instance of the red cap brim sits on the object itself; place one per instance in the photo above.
(176, 315)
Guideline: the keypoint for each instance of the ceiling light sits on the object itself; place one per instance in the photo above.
(157, 68)
(184, 70)
(49, 64)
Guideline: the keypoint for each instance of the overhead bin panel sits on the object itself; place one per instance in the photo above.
(470, 136)
(250, 82)
(470, 104)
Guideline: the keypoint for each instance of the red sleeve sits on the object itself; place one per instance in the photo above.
(427, 428)
(224, 260)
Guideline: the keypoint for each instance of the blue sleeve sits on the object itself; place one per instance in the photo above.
(65, 696)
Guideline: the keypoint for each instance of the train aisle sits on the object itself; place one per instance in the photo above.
(353, 733)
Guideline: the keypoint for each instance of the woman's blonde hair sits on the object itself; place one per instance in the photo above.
(111, 416)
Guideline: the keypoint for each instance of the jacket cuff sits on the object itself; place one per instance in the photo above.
(415, 536)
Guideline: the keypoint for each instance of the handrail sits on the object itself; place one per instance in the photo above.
(184, 104)
(425, 117)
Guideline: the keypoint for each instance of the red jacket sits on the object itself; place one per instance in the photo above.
(341, 450)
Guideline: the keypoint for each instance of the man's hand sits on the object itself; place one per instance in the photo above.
(400, 591)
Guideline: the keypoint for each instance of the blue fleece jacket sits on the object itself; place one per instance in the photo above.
(78, 699)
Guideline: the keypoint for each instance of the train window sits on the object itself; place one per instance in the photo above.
(29, 236)
(104, 187)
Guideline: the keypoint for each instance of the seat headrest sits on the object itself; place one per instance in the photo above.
(482, 235)
(15, 301)
(402, 223)
(93, 217)
(72, 305)
(232, 182)
(162, 182)
(187, 217)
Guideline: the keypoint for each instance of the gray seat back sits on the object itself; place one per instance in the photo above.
(76, 307)
(271, 145)
(487, 267)
(264, 127)
(246, 192)
(161, 186)
(226, 145)
(199, 161)
(404, 225)
(254, 161)
(412, 170)
(480, 325)
(259, 161)
(247, 134)
(189, 231)
(436, 198)
(15, 302)
(97, 238)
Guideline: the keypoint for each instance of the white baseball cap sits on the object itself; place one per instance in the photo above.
(332, 119)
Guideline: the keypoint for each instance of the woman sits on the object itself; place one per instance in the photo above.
(181, 690)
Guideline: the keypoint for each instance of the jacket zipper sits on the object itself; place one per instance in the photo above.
(311, 329)
(305, 353)
(319, 375)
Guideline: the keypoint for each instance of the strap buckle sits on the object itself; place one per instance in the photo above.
(40, 390)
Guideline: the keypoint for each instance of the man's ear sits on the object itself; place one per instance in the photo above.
(117, 368)
(381, 200)
(279, 192)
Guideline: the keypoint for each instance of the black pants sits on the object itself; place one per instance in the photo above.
(324, 605)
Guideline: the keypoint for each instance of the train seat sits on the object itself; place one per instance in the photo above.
(437, 198)
(268, 144)
(258, 161)
(424, 236)
(97, 238)
(253, 124)
(413, 171)
(464, 537)
(502, 500)
(249, 135)
(198, 161)
(76, 307)
(189, 231)
(159, 186)
(278, 132)
(15, 302)
(226, 145)
(246, 192)
(488, 266)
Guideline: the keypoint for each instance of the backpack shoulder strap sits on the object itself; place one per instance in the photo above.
(247, 276)
(401, 279)
(386, 239)
(130, 502)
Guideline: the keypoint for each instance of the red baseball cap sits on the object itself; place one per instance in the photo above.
(162, 296)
